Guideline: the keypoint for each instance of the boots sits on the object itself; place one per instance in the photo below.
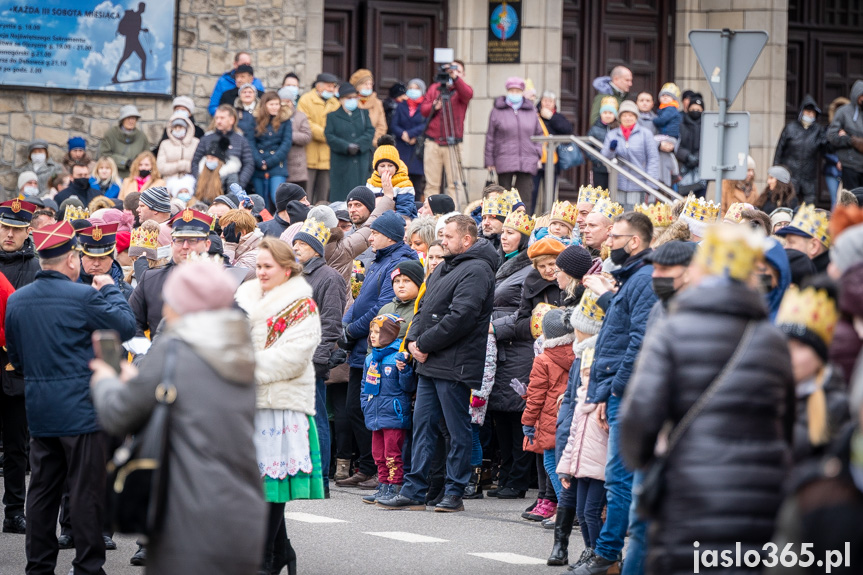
(343, 469)
(474, 488)
(562, 530)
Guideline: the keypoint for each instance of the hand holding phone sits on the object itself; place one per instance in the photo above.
(108, 347)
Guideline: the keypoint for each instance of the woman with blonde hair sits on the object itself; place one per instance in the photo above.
(143, 174)
(286, 330)
(106, 178)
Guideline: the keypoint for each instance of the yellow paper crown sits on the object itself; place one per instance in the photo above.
(564, 212)
(536, 318)
(735, 212)
(590, 194)
(609, 101)
(142, 238)
(75, 213)
(589, 308)
(730, 251)
(607, 208)
(587, 358)
(512, 196)
(520, 222)
(811, 309)
(317, 230)
(496, 206)
(700, 210)
(812, 222)
(659, 214)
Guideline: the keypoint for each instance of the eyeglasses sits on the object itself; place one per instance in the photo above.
(192, 241)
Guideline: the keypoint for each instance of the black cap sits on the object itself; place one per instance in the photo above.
(673, 253)
(326, 77)
(343, 216)
(398, 89)
(441, 204)
(346, 89)
(696, 99)
(297, 211)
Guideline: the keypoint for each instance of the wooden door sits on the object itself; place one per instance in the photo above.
(340, 35)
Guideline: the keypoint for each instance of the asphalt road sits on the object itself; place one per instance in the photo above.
(344, 536)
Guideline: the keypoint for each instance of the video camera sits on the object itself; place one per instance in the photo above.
(444, 57)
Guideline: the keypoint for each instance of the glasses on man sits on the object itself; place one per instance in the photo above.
(191, 241)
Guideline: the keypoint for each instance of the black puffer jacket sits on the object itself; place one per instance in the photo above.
(723, 482)
(798, 149)
(451, 324)
(514, 356)
(838, 414)
(20, 267)
(689, 148)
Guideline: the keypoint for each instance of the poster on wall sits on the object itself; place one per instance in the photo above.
(91, 45)
(504, 32)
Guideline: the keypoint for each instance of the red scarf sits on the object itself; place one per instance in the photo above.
(627, 131)
(413, 106)
(141, 181)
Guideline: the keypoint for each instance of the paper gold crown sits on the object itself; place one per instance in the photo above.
(589, 308)
(496, 206)
(520, 222)
(590, 194)
(609, 101)
(811, 309)
(730, 251)
(659, 214)
(813, 222)
(735, 212)
(75, 213)
(564, 212)
(607, 208)
(317, 230)
(536, 318)
(700, 210)
(587, 358)
(144, 239)
(511, 196)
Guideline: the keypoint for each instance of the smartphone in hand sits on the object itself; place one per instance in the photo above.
(108, 347)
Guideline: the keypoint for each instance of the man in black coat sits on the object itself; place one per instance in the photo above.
(19, 264)
(799, 148)
(286, 193)
(448, 340)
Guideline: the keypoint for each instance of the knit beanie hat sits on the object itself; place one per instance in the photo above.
(609, 104)
(364, 196)
(297, 212)
(324, 214)
(847, 250)
(391, 225)
(627, 106)
(441, 221)
(288, 192)
(389, 328)
(199, 286)
(185, 102)
(781, 173)
(587, 317)
(157, 199)
(801, 266)
(781, 215)
(575, 261)
(441, 204)
(26, 177)
(76, 143)
(228, 200)
(386, 152)
(553, 326)
(413, 269)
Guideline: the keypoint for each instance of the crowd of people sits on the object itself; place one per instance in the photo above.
(666, 373)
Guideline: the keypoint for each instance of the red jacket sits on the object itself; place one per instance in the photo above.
(547, 382)
(6, 290)
(461, 96)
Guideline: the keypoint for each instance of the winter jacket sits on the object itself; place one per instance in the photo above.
(402, 309)
(771, 202)
(373, 105)
(586, 450)
(329, 290)
(86, 195)
(838, 413)
(244, 254)
(274, 227)
(341, 250)
(199, 133)
(846, 345)
(175, 156)
(799, 149)
(776, 257)
(238, 148)
(210, 436)
(227, 82)
(738, 446)
(20, 267)
(284, 372)
(55, 313)
(44, 172)
(146, 301)
(272, 147)
(645, 120)
(109, 189)
(129, 185)
(738, 191)
(451, 325)
(460, 96)
(547, 383)
(316, 110)
(507, 141)
(377, 291)
(599, 131)
(535, 290)
(514, 355)
(402, 121)
(386, 392)
(667, 121)
(623, 329)
(849, 118)
(348, 172)
(689, 147)
(640, 149)
(570, 400)
(604, 87)
(403, 190)
(116, 273)
(301, 136)
(245, 122)
(123, 148)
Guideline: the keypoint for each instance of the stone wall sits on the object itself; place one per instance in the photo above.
(281, 35)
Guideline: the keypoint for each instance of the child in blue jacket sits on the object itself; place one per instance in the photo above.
(388, 382)
(667, 121)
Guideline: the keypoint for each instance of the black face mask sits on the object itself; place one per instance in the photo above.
(143, 173)
(664, 288)
(695, 115)
(619, 256)
(766, 282)
(82, 182)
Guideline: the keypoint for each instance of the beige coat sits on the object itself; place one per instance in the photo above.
(340, 254)
(376, 112)
(301, 136)
(316, 109)
(175, 156)
(130, 185)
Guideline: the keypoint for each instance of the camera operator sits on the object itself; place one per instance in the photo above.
(436, 152)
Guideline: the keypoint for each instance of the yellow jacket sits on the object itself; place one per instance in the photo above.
(316, 108)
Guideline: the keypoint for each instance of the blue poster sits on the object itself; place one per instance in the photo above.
(93, 45)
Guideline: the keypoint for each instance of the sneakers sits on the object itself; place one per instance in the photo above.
(595, 565)
(585, 557)
(355, 479)
(383, 489)
(15, 524)
(370, 483)
(109, 543)
(400, 502)
(343, 469)
(543, 510)
(394, 490)
(450, 504)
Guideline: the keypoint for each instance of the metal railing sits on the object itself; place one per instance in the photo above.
(617, 167)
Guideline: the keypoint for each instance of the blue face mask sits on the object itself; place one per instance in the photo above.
(184, 197)
(351, 104)
(326, 94)
(293, 91)
(515, 98)
(212, 164)
(414, 94)
(366, 92)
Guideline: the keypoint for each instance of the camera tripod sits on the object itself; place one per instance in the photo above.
(448, 125)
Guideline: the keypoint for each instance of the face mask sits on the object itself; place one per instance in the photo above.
(179, 134)
(293, 91)
(143, 173)
(414, 94)
(695, 115)
(618, 256)
(183, 113)
(807, 120)
(39, 158)
(366, 92)
(212, 164)
(326, 94)
(30, 190)
(664, 288)
(766, 282)
(82, 182)
(515, 98)
(351, 104)
(184, 196)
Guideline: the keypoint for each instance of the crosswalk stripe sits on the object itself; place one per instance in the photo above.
(406, 537)
(310, 518)
(512, 558)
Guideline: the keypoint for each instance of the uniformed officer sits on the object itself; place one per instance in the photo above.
(98, 243)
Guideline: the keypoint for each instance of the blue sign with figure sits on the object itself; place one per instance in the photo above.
(504, 32)
(91, 45)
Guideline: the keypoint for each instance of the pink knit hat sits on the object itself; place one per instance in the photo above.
(514, 82)
(199, 286)
(115, 216)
